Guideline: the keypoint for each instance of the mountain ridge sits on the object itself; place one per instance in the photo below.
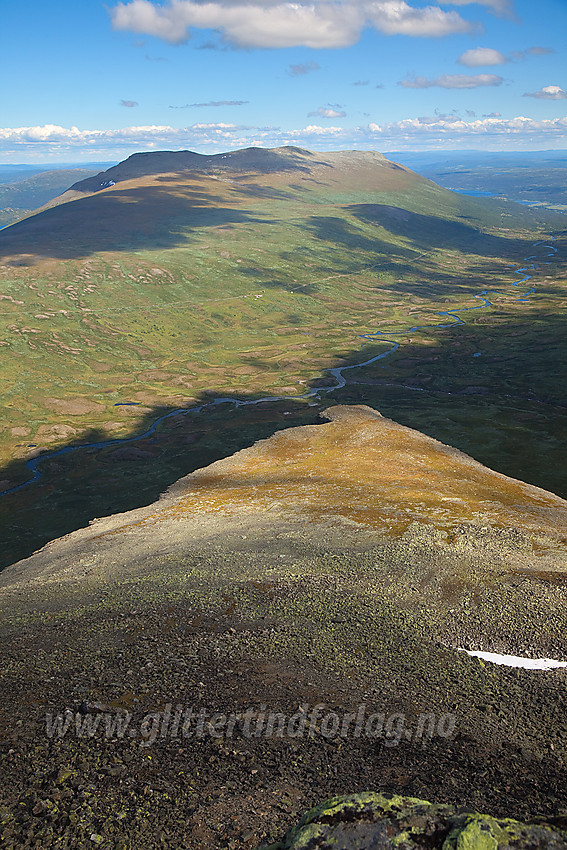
(247, 592)
(162, 162)
(358, 467)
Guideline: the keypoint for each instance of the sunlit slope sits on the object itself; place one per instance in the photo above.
(169, 290)
(165, 285)
(356, 471)
(364, 467)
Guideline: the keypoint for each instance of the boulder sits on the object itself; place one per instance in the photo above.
(372, 821)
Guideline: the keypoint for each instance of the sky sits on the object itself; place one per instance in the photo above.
(84, 80)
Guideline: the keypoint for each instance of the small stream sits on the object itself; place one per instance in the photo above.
(33, 464)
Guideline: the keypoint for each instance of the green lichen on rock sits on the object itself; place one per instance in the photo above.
(361, 821)
(482, 832)
(476, 834)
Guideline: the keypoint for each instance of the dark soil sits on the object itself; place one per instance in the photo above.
(264, 614)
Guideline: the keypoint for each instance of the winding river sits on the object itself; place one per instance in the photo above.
(33, 464)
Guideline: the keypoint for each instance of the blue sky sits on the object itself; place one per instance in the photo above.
(85, 80)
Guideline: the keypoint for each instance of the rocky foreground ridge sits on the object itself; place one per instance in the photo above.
(371, 820)
(330, 572)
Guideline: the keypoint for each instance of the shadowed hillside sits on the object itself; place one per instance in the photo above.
(21, 197)
(148, 214)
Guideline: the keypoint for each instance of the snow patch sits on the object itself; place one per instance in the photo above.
(516, 660)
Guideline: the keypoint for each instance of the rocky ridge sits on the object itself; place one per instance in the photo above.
(329, 572)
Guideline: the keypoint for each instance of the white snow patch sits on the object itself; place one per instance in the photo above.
(516, 660)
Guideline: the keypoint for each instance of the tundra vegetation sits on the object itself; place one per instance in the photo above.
(253, 278)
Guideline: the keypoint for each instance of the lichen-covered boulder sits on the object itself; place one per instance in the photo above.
(372, 821)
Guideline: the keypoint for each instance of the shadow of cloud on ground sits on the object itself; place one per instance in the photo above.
(79, 482)
(130, 219)
(493, 388)
(429, 231)
(348, 249)
(337, 231)
(266, 279)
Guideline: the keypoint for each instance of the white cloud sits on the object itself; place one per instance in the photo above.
(273, 23)
(317, 130)
(326, 112)
(548, 93)
(481, 126)
(502, 8)
(47, 133)
(478, 56)
(52, 141)
(395, 17)
(53, 137)
(453, 81)
(244, 24)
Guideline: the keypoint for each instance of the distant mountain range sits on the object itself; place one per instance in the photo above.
(529, 177)
(24, 194)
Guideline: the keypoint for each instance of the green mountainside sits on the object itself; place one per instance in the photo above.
(255, 275)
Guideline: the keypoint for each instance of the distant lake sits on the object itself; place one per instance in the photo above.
(475, 193)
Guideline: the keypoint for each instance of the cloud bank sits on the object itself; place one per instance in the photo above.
(437, 131)
(308, 23)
